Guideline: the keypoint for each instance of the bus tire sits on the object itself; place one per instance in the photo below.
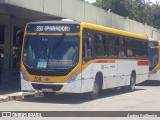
(132, 82)
(96, 89)
(49, 94)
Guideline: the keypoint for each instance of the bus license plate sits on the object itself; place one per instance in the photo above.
(47, 90)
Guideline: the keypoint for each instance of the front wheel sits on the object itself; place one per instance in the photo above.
(95, 92)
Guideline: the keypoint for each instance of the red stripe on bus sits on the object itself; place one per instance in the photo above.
(105, 61)
(143, 63)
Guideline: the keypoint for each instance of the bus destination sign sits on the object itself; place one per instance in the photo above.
(53, 28)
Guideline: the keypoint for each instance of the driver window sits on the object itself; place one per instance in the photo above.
(87, 48)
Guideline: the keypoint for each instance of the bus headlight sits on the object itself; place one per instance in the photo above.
(73, 77)
(23, 76)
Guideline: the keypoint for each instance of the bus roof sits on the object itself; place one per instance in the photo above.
(53, 22)
(114, 31)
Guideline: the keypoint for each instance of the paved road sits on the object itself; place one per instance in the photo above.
(145, 98)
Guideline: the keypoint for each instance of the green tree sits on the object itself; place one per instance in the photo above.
(119, 7)
(104, 4)
(140, 10)
(156, 15)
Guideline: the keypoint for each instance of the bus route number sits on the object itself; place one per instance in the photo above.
(39, 28)
(37, 79)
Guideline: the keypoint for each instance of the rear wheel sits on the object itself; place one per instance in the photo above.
(132, 83)
(96, 89)
(49, 94)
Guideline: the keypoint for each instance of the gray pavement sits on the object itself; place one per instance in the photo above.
(145, 98)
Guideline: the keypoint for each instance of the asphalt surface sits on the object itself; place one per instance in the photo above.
(146, 97)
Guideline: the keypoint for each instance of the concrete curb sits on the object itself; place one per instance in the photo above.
(19, 96)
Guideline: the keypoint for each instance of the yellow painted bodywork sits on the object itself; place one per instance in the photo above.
(114, 31)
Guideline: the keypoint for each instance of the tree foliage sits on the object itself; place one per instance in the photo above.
(140, 10)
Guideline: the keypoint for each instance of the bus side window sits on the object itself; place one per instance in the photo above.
(100, 49)
(87, 47)
(121, 50)
(129, 48)
(137, 47)
(111, 43)
(144, 49)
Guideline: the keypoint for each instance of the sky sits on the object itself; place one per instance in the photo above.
(146, 0)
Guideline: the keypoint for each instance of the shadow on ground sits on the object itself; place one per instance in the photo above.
(9, 90)
(153, 83)
(76, 98)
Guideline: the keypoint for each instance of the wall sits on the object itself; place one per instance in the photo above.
(80, 11)
(99, 16)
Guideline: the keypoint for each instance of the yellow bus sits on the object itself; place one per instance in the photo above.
(154, 48)
(71, 57)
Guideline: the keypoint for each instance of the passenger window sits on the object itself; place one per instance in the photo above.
(100, 40)
(144, 51)
(121, 50)
(111, 43)
(137, 48)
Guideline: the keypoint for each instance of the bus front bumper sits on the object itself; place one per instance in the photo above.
(73, 87)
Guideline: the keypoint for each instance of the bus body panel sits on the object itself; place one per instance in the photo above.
(88, 77)
(73, 87)
(116, 72)
(154, 74)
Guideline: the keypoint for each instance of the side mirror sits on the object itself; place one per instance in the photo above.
(19, 37)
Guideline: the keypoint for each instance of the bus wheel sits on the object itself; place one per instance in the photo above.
(132, 83)
(49, 94)
(95, 92)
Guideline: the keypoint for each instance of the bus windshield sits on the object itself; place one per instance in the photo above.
(153, 57)
(50, 52)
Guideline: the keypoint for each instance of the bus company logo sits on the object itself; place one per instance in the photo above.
(6, 114)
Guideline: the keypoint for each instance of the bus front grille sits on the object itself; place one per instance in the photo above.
(41, 86)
